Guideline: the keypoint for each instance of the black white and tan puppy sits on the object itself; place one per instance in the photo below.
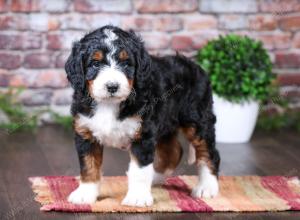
(128, 99)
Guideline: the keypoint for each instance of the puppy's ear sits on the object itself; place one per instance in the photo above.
(143, 61)
(74, 67)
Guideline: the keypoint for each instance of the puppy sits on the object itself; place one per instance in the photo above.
(128, 99)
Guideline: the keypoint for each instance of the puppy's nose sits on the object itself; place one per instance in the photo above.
(112, 87)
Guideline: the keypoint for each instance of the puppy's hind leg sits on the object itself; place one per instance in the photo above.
(168, 153)
(207, 160)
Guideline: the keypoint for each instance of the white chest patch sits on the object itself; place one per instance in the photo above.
(106, 127)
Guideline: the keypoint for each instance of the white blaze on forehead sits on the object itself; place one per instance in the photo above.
(110, 37)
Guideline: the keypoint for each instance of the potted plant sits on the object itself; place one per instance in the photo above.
(241, 77)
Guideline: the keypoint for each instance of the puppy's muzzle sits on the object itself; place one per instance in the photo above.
(112, 87)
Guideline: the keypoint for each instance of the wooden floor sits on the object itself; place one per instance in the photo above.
(50, 151)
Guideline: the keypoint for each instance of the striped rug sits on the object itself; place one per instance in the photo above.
(237, 194)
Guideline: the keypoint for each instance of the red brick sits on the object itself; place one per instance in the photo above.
(10, 61)
(9, 79)
(289, 79)
(58, 41)
(148, 23)
(228, 6)
(290, 91)
(38, 21)
(54, 41)
(138, 23)
(55, 6)
(17, 80)
(274, 40)
(35, 79)
(156, 41)
(98, 20)
(233, 21)
(296, 40)
(32, 41)
(35, 97)
(290, 22)
(5, 21)
(62, 96)
(75, 21)
(14, 22)
(51, 78)
(4, 78)
(182, 43)
(200, 22)
(278, 7)
(53, 24)
(167, 23)
(88, 22)
(25, 5)
(87, 6)
(82, 6)
(287, 59)
(158, 6)
(20, 41)
(3, 5)
(262, 22)
(61, 59)
(201, 38)
(38, 60)
(10, 41)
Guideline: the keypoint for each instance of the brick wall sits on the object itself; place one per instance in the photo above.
(36, 36)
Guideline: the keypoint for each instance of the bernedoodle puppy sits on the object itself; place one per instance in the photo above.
(128, 99)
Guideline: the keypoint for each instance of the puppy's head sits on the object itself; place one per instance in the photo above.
(106, 63)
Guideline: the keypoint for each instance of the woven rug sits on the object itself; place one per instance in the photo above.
(237, 193)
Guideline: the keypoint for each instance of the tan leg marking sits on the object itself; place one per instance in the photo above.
(201, 149)
(84, 132)
(167, 155)
(92, 164)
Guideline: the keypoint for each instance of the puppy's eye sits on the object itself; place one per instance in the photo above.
(127, 63)
(123, 55)
(96, 64)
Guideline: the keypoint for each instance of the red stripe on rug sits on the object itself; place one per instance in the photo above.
(279, 185)
(180, 193)
(61, 187)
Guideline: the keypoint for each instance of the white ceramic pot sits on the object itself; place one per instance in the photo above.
(235, 122)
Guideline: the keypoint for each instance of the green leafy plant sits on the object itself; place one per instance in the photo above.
(19, 119)
(239, 68)
(64, 121)
(279, 121)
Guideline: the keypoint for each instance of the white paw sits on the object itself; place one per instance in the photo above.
(138, 199)
(206, 188)
(86, 193)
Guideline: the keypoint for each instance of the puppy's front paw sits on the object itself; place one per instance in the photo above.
(86, 193)
(138, 199)
(207, 188)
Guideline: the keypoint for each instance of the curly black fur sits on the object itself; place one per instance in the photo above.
(169, 92)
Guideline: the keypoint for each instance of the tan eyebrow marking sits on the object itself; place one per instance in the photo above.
(98, 55)
(123, 55)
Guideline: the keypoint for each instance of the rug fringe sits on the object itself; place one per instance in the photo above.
(41, 188)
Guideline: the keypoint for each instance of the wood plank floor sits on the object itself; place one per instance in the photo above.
(50, 151)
